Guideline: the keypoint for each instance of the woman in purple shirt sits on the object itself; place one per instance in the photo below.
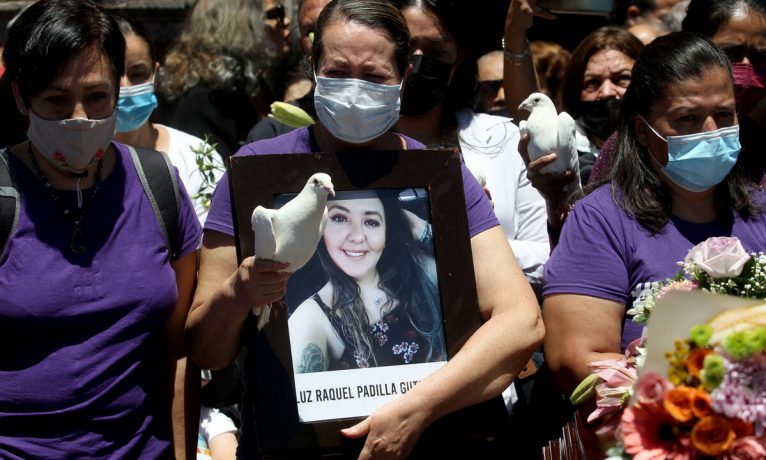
(360, 56)
(93, 304)
(673, 183)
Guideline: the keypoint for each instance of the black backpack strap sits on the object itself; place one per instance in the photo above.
(158, 179)
(9, 204)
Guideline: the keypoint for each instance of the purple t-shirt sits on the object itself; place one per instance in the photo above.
(81, 367)
(604, 252)
(480, 214)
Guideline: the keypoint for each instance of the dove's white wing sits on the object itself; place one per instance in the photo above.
(263, 228)
(523, 127)
(566, 139)
(322, 224)
(265, 248)
(568, 150)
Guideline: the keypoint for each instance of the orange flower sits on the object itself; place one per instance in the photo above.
(678, 403)
(701, 404)
(694, 363)
(741, 428)
(713, 435)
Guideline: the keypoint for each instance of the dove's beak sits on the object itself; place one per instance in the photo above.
(523, 106)
(330, 190)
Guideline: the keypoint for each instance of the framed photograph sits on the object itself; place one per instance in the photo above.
(387, 298)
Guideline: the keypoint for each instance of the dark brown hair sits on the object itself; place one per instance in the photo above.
(377, 15)
(604, 38)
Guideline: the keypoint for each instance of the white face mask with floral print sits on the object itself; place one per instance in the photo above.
(71, 145)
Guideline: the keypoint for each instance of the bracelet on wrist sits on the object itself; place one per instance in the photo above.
(517, 58)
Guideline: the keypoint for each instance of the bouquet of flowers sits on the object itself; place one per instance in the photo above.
(719, 265)
(711, 402)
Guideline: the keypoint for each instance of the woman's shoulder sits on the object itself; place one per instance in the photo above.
(484, 131)
(183, 146)
(315, 311)
(319, 300)
(308, 307)
(181, 138)
(468, 120)
(295, 141)
(758, 198)
(602, 199)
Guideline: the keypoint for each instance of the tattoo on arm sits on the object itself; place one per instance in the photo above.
(312, 359)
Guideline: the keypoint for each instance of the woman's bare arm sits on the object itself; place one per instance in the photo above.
(519, 76)
(225, 295)
(580, 329)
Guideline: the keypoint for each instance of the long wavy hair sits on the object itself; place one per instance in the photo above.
(402, 277)
(636, 186)
(222, 46)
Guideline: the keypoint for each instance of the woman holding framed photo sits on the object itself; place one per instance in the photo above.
(360, 56)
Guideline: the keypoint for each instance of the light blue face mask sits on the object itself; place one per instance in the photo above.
(356, 111)
(135, 106)
(698, 162)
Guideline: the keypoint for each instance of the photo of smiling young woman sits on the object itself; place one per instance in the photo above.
(369, 297)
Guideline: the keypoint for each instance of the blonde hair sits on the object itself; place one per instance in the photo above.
(222, 47)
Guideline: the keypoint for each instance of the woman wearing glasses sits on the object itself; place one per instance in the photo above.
(277, 22)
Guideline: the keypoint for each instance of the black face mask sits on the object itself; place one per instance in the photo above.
(601, 118)
(426, 85)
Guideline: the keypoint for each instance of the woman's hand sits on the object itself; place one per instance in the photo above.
(392, 430)
(418, 225)
(225, 295)
(261, 280)
(550, 186)
(519, 76)
(521, 15)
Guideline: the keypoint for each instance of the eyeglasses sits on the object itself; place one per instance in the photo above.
(736, 53)
(277, 12)
(488, 88)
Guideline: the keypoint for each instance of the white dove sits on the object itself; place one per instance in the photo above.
(291, 233)
(550, 132)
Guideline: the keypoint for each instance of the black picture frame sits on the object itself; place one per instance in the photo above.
(257, 180)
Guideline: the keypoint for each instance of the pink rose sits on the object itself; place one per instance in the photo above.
(719, 257)
(747, 448)
(650, 391)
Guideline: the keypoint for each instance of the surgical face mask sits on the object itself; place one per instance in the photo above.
(749, 85)
(698, 162)
(356, 111)
(71, 145)
(601, 117)
(135, 106)
(426, 85)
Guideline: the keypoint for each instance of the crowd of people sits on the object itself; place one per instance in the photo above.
(114, 182)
